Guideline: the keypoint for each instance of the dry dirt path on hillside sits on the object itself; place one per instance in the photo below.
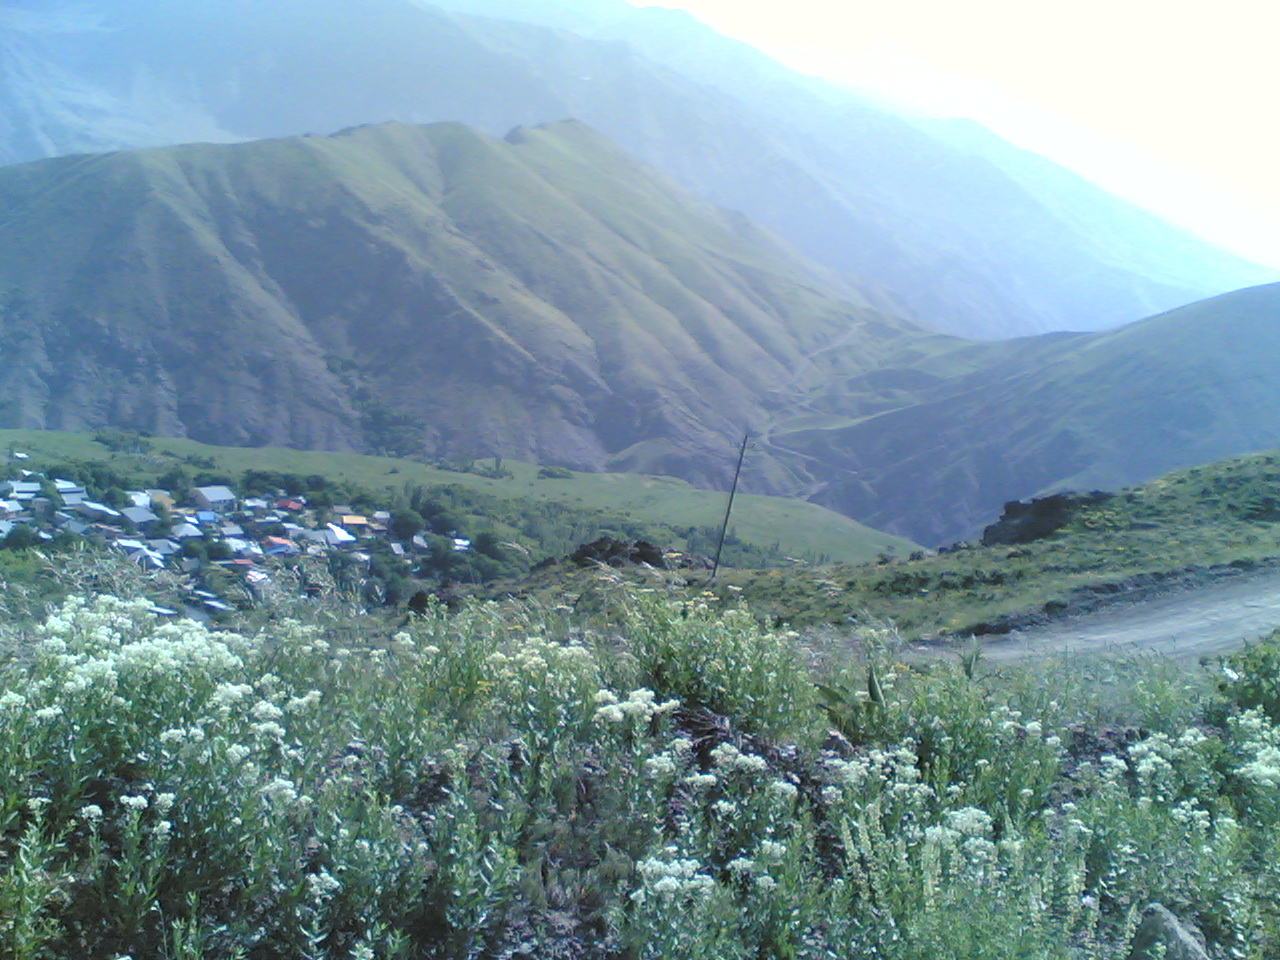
(1190, 623)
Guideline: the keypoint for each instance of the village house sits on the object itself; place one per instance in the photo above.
(164, 547)
(279, 547)
(71, 493)
(335, 536)
(353, 523)
(96, 511)
(21, 490)
(215, 499)
(160, 499)
(243, 548)
(71, 525)
(140, 517)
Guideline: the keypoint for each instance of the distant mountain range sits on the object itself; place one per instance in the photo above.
(939, 221)
(435, 291)
(421, 290)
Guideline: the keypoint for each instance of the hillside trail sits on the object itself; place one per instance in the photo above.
(1194, 622)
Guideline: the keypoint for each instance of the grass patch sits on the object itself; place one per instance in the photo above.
(774, 526)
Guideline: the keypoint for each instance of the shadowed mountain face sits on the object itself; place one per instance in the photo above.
(1033, 416)
(427, 290)
(950, 225)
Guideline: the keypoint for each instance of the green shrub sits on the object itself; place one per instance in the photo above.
(1250, 679)
(719, 659)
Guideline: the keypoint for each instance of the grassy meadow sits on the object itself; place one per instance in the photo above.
(665, 504)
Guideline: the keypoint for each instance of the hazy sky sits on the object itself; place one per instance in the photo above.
(1110, 87)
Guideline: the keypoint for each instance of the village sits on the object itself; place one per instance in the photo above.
(201, 529)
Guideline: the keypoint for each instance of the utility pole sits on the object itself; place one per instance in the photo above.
(724, 527)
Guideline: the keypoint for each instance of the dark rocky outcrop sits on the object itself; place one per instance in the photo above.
(1025, 521)
(618, 553)
(1162, 935)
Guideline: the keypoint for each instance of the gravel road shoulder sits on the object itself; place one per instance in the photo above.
(1200, 613)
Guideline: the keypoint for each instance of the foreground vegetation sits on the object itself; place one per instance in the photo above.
(661, 779)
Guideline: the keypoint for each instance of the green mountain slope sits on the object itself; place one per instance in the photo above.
(432, 291)
(425, 290)
(970, 238)
(982, 424)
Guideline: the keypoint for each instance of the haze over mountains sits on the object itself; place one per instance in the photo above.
(935, 221)
(434, 291)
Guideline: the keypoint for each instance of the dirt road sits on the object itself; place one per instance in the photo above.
(1188, 624)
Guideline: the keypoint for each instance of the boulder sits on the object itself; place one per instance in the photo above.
(617, 553)
(1162, 935)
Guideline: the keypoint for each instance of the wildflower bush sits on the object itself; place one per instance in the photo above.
(1251, 678)
(661, 783)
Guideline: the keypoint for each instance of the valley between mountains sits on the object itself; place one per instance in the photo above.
(436, 292)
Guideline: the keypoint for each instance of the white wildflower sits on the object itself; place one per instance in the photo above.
(266, 710)
(237, 753)
(610, 713)
(269, 730)
(660, 767)
(970, 821)
(728, 757)
(322, 886)
(279, 791)
(787, 790)
(700, 781)
(304, 702)
(771, 851)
